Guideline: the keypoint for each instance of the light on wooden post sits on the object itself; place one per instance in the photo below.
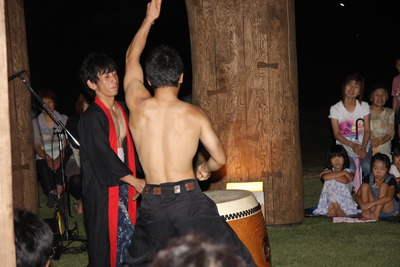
(255, 187)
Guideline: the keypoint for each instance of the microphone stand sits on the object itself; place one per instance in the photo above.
(51, 113)
(61, 128)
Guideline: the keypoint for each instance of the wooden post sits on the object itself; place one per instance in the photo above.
(7, 247)
(24, 180)
(245, 78)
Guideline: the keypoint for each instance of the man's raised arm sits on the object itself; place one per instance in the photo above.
(133, 80)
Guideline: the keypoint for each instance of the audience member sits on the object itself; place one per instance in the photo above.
(336, 198)
(46, 146)
(33, 240)
(396, 95)
(73, 166)
(195, 250)
(395, 167)
(350, 119)
(377, 195)
(382, 121)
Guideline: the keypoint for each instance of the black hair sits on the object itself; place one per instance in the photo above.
(93, 65)
(195, 250)
(33, 239)
(396, 150)
(381, 157)
(379, 86)
(337, 151)
(47, 93)
(163, 67)
(359, 79)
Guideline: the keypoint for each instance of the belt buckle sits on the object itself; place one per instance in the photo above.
(156, 191)
(177, 189)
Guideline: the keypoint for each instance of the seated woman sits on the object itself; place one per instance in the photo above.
(377, 195)
(46, 146)
(350, 120)
(382, 121)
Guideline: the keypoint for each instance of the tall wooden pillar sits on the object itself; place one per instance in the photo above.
(7, 247)
(245, 78)
(23, 162)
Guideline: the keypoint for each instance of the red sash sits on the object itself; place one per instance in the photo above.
(113, 192)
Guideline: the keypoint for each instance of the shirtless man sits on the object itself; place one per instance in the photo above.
(108, 165)
(167, 132)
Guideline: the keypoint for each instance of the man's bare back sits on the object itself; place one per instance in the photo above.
(167, 133)
(166, 130)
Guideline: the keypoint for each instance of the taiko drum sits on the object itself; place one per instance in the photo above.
(243, 213)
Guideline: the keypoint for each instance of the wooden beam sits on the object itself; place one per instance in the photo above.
(245, 78)
(24, 182)
(7, 248)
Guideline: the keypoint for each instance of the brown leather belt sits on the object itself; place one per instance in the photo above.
(189, 186)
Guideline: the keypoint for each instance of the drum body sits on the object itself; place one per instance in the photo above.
(243, 213)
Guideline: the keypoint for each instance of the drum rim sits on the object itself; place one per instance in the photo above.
(241, 214)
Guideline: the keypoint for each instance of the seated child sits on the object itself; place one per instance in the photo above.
(377, 195)
(336, 198)
(395, 167)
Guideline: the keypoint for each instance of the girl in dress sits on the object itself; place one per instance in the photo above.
(336, 198)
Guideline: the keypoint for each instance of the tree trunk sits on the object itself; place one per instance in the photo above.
(245, 78)
(7, 248)
(24, 180)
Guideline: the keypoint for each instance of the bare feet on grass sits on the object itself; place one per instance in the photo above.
(341, 213)
(331, 211)
(369, 215)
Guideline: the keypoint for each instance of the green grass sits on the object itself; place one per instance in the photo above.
(319, 242)
(69, 257)
(315, 242)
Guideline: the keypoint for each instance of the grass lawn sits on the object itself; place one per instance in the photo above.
(319, 242)
(315, 242)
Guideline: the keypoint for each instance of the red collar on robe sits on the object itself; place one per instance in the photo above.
(113, 192)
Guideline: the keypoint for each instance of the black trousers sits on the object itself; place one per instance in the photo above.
(48, 178)
(75, 186)
(165, 214)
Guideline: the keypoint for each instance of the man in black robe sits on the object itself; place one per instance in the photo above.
(108, 165)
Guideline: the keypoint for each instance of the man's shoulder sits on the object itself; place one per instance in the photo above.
(193, 111)
(93, 112)
(190, 106)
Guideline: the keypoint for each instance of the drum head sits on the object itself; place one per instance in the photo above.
(220, 196)
(234, 201)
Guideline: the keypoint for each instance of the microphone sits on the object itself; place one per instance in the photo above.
(12, 77)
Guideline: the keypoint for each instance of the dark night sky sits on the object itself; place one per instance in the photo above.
(332, 42)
